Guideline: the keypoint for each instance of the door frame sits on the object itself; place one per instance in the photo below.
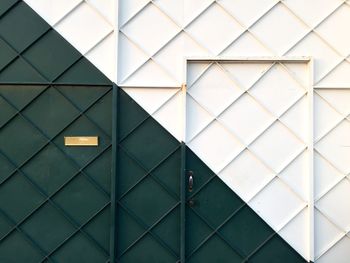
(309, 61)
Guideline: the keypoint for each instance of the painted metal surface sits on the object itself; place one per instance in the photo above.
(55, 200)
(162, 216)
(148, 188)
(308, 29)
(249, 122)
(221, 227)
(88, 25)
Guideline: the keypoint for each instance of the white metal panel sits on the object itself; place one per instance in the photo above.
(238, 28)
(89, 28)
(332, 167)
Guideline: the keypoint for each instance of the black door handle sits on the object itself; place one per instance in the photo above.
(190, 182)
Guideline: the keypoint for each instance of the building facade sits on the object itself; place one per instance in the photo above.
(174, 131)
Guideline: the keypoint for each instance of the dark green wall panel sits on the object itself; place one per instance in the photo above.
(220, 227)
(148, 180)
(54, 201)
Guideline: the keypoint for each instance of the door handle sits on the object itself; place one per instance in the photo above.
(190, 182)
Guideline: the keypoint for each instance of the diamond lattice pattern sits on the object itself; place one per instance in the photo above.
(55, 201)
(332, 189)
(247, 28)
(242, 129)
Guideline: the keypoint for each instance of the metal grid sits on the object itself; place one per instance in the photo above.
(332, 173)
(29, 87)
(52, 199)
(314, 39)
(223, 222)
(24, 58)
(97, 43)
(182, 25)
(246, 145)
(312, 25)
(148, 192)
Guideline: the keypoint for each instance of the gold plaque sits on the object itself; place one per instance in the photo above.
(81, 141)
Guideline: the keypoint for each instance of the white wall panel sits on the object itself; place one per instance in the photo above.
(332, 168)
(233, 28)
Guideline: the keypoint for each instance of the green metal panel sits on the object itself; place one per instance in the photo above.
(54, 200)
(6, 5)
(221, 227)
(148, 188)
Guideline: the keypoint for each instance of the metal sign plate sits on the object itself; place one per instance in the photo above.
(81, 141)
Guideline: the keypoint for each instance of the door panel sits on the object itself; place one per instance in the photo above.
(54, 199)
(148, 188)
(221, 227)
(249, 122)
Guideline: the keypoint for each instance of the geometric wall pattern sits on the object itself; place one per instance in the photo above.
(54, 205)
(332, 187)
(72, 204)
(55, 201)
(219, 220)
(93, 31)
(249, 122)
(151, 38)
(242, 28)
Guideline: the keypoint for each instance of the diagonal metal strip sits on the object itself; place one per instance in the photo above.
(248, 28)
(148, 229)
(344, 117)
(94, 183)
(79, 229)
(58, 208)
(278, 118)
(149, 173)
(216, 118)
(49, 140)
(23, 108)
(50, 196)
(25, 235)
(9, 9)
(215, 232)
(19, 55)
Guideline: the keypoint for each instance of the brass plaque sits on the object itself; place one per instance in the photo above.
(81, 141)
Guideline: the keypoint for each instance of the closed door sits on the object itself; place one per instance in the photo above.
(248, 121)
(235, 190)
(54, 198)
